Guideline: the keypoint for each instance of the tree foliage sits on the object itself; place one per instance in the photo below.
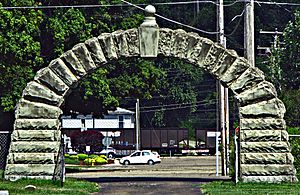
(31, 38)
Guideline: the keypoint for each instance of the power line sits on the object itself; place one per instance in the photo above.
(277, 3)
(110, 5)
(238, 24)
(169, 105)
(172, 21)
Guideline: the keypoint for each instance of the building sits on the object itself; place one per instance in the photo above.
(111, 125)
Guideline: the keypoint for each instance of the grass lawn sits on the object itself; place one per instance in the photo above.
(224, 188)
(71, 186)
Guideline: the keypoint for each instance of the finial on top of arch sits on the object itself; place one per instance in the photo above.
(150, 20)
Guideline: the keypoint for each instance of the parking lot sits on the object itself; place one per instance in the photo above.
(170, 167)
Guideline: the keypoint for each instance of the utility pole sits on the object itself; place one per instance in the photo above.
(223, 95)
(137, 124)
(249, 32)
(276, 37)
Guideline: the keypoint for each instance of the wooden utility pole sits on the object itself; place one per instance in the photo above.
(223, 95)
(249, 32)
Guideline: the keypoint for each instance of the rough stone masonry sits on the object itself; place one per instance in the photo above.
(264, 149)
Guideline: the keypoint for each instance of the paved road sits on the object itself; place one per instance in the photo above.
(150, 188)
(184, 167)
(175, 175)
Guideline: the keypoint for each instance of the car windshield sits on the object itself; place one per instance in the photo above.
(136, 154)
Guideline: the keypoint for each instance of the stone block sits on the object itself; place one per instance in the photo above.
(270, 108)
(165, 42)
(262, 123)
(31, 158)
(180, 44)
(36, 135)
(71, 60)
(284, 135)
(267, 170)
(34, 110)
(264, 147)
(199, 52)
(35, 147)
(263, 91)
(260, 135)
(47, 77)
(64, 73)
(84, 57)
(249, 79)
(234, 71)
(266, 158)
(30, 169)
(36, 124)
(132, 39)
(108, 46)
(120, 40)
(270, 179)
(17, 177)
(213, 56)
(223, 63)
(96, 52)
(37, 92)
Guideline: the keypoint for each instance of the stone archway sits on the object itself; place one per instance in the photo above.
(264, 148)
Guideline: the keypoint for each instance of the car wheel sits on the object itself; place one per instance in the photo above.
(110, 155)
(126, 162)
(150, 162)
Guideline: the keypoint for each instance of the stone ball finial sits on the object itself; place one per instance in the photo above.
(150, 9)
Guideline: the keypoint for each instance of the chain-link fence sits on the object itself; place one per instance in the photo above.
(4, 146)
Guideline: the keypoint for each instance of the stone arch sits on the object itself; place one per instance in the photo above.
(264, 148)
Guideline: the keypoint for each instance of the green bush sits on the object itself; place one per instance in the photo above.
(74, 157)
(82, 156)
(103, 156)
(93, 156)
(67, 155)
(89, 161)
(100, 161)
(295, 145)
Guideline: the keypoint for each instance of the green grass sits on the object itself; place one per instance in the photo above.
(71, 186)
(225, 188)
(72, 161)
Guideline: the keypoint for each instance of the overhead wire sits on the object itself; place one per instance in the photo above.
(238, 24)
(173, 21)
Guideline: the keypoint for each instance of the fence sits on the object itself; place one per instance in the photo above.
(4, 146)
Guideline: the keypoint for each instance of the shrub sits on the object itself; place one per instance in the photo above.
(67, 155)
(93, 156)
(100, 161)
(82, 156)
(89, 161)
(74, 157)
(103, 156)
(295, 145)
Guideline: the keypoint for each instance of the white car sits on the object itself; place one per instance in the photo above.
(109, 152)
(141, 157)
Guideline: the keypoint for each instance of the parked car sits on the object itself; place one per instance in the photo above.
(141, 157)
(109, 152)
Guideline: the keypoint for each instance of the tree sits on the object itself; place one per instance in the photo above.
(19, 50)
(90, 138)
(285, 69)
